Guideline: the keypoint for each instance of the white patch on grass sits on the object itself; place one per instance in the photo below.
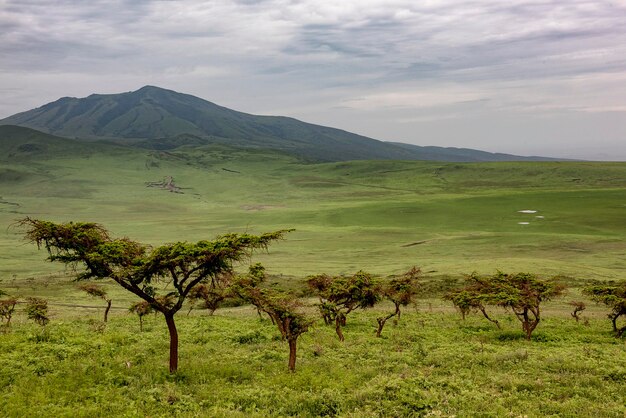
(527, 211)
(523, 223)
(539, 217)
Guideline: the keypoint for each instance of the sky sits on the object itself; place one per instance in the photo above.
(527, 77)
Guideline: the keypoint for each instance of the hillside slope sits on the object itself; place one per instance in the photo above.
(152, 113)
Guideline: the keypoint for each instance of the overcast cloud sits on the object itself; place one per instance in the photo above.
(530, 77)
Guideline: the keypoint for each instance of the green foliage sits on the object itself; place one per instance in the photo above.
(578, 306)
(139, 270)
(521, 292)
(37, 310)
(94, 290)
(614, 296)
(340, 295)
(7, 307)
(428, 365)
(284, 309)
(141, 308)
(210, 294)
(473, 296)
(400, 291)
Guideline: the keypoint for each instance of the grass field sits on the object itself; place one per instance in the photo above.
(382, 217)
(379, 216)
(430, 364)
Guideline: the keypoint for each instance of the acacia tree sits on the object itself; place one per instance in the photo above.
(142, 270)
(141, 308)
(400, 291)
(284, 309)
(578, 306)
(37, 310)
(97, 291)
(522, 293)
(7, 307)
(614, 296)
(320, 284)
(472, 297)
(210, 294)
(340, 295)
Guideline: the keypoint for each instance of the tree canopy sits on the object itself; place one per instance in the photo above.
(400, 291)
(340, 295)
(522, 293)
(612, 295)
(141, 269)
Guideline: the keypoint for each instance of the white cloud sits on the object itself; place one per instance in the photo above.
(331, 62)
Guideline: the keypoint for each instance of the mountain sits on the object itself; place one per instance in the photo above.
(160, 118)
(19, 143)
(452, 154)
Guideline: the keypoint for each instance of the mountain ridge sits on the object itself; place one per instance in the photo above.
(152, 113)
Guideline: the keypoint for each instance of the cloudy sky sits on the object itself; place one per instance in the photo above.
(530, 77)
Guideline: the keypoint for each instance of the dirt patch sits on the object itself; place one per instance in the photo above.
(412, 244)
(166, 184)
(260, 207)
(6, 202)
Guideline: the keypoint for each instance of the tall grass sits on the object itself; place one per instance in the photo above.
(232, 364)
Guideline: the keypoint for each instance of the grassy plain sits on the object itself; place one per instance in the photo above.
(382, 217)
(233, 365)
(379, 216)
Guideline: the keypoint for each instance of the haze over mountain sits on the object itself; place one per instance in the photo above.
(158, 118)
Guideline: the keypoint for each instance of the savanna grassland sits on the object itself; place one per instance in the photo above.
(382, 217)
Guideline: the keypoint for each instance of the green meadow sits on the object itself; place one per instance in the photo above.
(383, 217)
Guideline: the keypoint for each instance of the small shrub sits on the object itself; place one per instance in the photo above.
(254, 337)
(37, 310)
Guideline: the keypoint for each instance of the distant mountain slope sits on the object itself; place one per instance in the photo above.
(155, 113)
(452, 154)
(17, 142)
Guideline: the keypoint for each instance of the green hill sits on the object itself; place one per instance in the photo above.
(381, 216)
(162, 117)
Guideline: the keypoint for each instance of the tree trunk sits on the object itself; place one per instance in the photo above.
(106, 311)
(292, 354)
(171, 327)
(140, 323)
(338, 328)
(614, 321)
(397, 318)
(381, 324)
(495, 321)
(382, 321)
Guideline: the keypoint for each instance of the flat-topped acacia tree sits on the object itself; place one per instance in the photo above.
(284, 309)
(141, 269)
(400, 291)
(473, 296)
(522, 293)
(7, 307)
(612, 295)
(340, 295)
(97, 291)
